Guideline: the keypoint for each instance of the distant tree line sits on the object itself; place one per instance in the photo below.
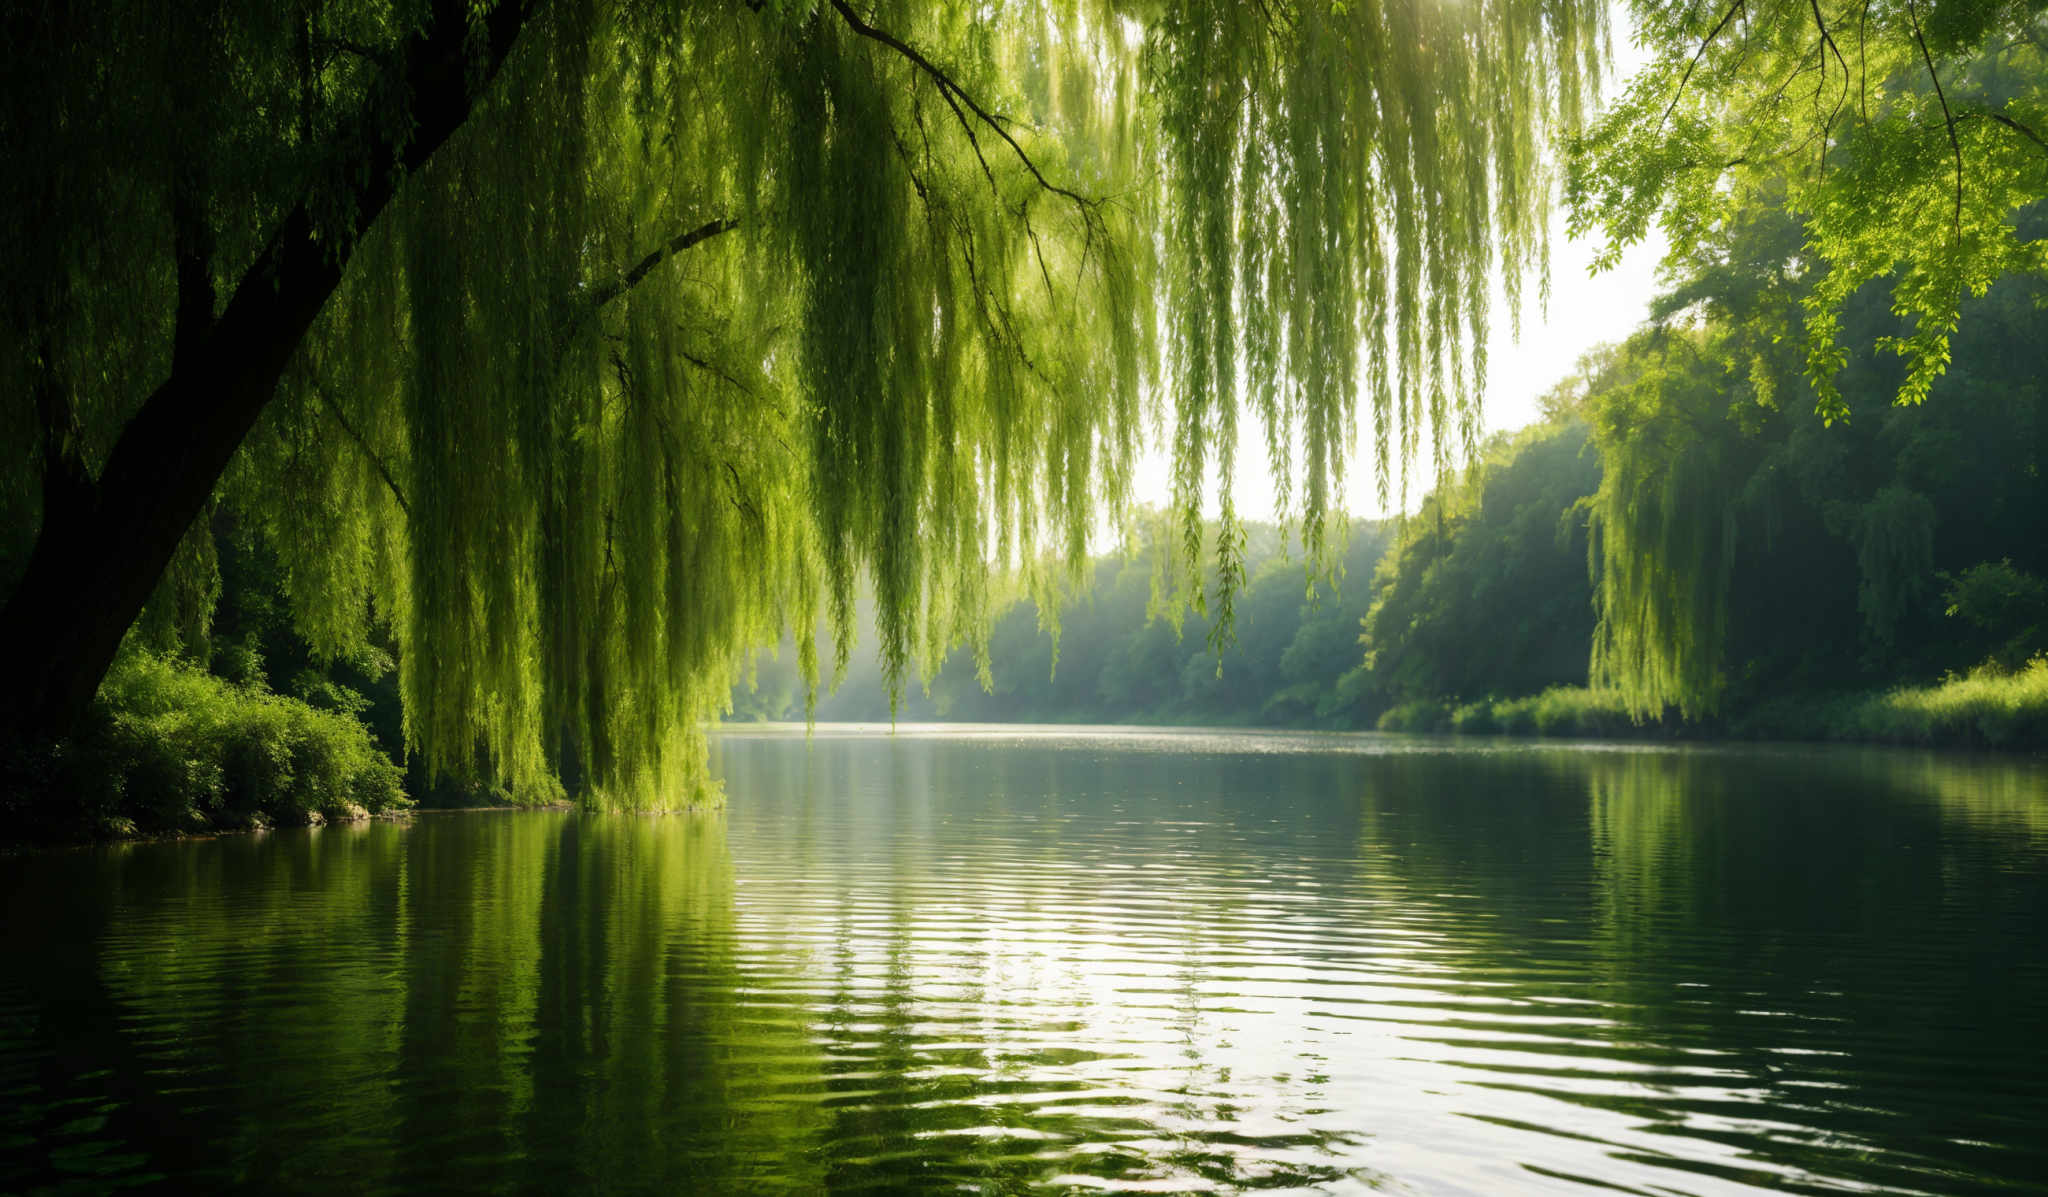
(1120, 651)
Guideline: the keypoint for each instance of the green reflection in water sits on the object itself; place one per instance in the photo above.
(1000, 961)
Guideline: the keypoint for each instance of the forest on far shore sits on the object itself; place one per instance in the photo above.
(1881, 577)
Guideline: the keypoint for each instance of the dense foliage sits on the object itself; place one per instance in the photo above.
(1744, 547)
(1840, 184)
(1753, 570)
(1750, 557)
(564, 352)
(1906, 136)
(177, 749)
(581, 345)
(1485, 589)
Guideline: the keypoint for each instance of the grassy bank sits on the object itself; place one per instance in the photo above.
(1560, 711)
(1987, 708)
(173, 749)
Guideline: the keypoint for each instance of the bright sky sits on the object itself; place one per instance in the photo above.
(1584, 311)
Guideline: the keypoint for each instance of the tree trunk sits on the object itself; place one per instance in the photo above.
(104, 544)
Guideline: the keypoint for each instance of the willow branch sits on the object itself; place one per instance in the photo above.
(383, 471)
(1827, 42)
(330, 46)
(1863, 62)
(67, 480)
(952, 91)
(645, 266)
(597, 298)
(715, 370)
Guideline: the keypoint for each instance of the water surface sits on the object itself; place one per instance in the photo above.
(1000, 960)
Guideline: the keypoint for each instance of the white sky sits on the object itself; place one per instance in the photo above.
(1584, 311)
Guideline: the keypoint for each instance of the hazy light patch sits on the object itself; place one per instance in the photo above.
(1584, 311)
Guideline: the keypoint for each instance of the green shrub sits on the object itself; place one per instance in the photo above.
(1515, 716)
(1578, 711)
(173, 748)
(2007, 607)
(1558, 711)
(1990, 707)
(1475, 718)
(1422, 715)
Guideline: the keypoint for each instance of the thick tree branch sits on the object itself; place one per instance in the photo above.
(85, 583)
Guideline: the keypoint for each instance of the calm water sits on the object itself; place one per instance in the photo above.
(1000, 961)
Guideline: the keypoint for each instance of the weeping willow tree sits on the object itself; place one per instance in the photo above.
(1907, 138)
(1662, 529)
(584, 345)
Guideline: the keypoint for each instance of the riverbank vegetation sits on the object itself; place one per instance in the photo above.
(1989, 707)
(1679, 547)
(1756, 571)
(175, 749)
(558, 355)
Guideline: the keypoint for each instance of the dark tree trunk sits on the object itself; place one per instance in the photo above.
(105, 543)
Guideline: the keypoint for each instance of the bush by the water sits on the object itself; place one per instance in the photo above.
(1566, 711)
(1989, 707)
(173, 748)
(1558, 711)
(1420, 715)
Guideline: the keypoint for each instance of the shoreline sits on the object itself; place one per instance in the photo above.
(1895, 718)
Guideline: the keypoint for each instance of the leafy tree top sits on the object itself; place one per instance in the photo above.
(1908, 136)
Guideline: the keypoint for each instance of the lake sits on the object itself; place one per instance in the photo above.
(1004, 959)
